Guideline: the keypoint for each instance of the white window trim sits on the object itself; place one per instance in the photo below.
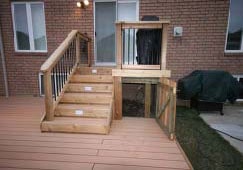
(30, 27)
(232, 51)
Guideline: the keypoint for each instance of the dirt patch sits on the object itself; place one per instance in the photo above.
(132, 108)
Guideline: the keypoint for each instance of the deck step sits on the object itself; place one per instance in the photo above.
(76, 125)
(91, 79)
(89, 87)
(87, 98)
(93, 71)
(83, 110)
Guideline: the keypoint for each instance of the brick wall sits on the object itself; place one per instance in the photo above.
(61, 18)
(204, 25)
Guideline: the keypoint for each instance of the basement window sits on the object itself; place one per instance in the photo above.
(234, 40)
(29, 27)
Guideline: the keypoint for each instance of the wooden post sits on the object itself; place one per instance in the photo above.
(48, 96)
(164, 46)
(173, 113)
(147, 100)
(118, 98)
(119, 45)
(78, 54)
(89, 53)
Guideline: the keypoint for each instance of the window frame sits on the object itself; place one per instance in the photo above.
(225, 48)
(30, 27)
(238, 77)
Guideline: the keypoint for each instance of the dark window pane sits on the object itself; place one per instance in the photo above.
(234, 39)
(21, 27)
(241, 94)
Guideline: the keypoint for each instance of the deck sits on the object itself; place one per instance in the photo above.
(133, 143)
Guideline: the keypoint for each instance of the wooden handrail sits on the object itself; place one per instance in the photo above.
(143, 24)
(59, 67)
(57, 54)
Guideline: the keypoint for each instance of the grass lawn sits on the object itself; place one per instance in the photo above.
(204, 147)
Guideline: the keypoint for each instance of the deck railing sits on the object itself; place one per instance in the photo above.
(134, 48)
(60, 66)
(166, 106)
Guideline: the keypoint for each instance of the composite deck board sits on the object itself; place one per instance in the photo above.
(133, 143)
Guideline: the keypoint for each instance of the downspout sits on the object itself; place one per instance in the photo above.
(3, 64)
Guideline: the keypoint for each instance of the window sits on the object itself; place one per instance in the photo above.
(29, 26)
(234, 41)
(239, 78)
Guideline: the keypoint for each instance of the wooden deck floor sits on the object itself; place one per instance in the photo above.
(133, 143)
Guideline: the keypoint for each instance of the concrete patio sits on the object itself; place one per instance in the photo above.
(229, 126)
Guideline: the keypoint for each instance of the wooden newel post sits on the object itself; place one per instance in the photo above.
(164, 46)
(172, 111)
(48, 96)
(78, 54)
(118, 98)
(89, 52)
(119, 45)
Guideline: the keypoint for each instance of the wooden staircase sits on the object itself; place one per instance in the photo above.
(86, 104)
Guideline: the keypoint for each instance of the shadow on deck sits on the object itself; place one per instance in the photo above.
(133, 143)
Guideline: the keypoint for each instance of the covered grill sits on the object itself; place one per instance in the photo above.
(208, 90)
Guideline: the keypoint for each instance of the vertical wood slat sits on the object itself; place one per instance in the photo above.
(78, 54)
(48, 96)
(164, 46)
(119, 45)
(118, 98)
(147, 100)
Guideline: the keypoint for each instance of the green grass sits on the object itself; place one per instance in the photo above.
(204, 147)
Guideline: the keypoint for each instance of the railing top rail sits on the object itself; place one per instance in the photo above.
(57, 54)
(143, 24)
(84, 36)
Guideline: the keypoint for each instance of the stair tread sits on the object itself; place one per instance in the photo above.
(79, 121)
(83, 110)
(84, 106)
(99, 70)
(91, 78)
(82, 94)
(89, 87)
(77, 125)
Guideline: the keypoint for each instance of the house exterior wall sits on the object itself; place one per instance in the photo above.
(202, 45)
(61, 17)
(204, 25)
